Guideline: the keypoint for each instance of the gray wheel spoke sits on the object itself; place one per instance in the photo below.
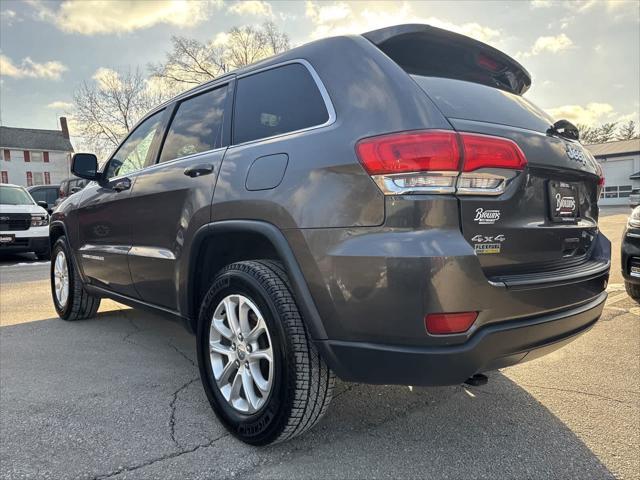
(219, 348)
(249, 391)
(221, 328)
(261, 355)
(258, 330)
(230, 310)
(225, 375)
(262, 383)
(244, 310)
(236, 386)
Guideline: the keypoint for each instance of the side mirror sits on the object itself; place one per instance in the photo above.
(43, 204)
(74, 190)
(85, 165)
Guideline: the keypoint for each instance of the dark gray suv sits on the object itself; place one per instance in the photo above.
(387, 208)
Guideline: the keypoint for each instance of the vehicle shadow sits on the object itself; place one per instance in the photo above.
(124, 387)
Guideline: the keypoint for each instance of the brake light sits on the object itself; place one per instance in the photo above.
(447, 323)
(431, 161)
(410, 152)
(483, 151)
(600, 174)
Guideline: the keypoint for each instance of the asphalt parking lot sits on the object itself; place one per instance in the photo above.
(119, 397)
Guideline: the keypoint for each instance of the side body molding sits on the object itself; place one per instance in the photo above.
(270, 232)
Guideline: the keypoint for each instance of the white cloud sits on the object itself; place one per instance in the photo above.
(541, 3)
(359, 17)
(91, 17)
(593, 113)
(60, 105)
(28, 68)
(106, 76)
(552, 44)
(9, 17)
(252, 7)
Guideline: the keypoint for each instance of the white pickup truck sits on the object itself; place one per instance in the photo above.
(24, 225)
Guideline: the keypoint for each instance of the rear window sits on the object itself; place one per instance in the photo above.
(276, 101)
(472, 101)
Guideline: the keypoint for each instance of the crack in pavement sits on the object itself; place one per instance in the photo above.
(161, 458)
(569, 390)
(182, 353)
(172, 405)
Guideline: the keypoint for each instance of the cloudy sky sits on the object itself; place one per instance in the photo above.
(584, 56)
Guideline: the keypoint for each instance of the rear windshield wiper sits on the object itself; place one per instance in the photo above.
(564, 128)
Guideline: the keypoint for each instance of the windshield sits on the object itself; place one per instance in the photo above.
(14, 196)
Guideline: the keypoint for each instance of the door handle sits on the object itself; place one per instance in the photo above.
(198, 170)
(124, 184)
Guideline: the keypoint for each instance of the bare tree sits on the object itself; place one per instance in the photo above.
(628, 131)
(107, 107)
(191, 62)
(587, 134)
(276, 41)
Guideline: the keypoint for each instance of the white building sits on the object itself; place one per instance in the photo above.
(620, 163)
(35, 157)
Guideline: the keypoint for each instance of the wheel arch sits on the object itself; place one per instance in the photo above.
(218, 244)
(56, 230)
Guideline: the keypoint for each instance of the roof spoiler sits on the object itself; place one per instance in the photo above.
(425, 50)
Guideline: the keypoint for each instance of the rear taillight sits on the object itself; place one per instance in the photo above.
(437, 161)
(483, 151)
(448, 323)
(600, 178)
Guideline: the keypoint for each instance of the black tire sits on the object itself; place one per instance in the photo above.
(302, 382)
(633, 290)
(80, 304)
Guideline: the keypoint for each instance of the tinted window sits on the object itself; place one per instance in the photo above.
(52, 195)
(277, 101)
(39, 195)
(132, 155)
(196, 126)
(472, 101)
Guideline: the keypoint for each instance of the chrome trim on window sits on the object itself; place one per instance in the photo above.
(323, 92)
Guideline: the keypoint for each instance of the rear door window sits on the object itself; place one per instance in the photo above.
(277, 101)
(196, 126)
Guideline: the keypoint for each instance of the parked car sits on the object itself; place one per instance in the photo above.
(24, 224)
(634, 198)
(45, 193)
(630, 257)
(69, 187)
(387, 208)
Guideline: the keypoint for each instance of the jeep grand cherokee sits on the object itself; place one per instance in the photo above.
(386, 207)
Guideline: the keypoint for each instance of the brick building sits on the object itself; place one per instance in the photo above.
(31, 156)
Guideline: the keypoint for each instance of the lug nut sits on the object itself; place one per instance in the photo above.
(246, 364)
(233, 346)
(240, 336)
(249, 348)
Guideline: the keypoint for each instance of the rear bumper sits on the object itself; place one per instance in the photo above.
(630, 249)
(490, 347)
